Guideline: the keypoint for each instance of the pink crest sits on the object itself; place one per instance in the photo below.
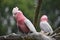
(44, 18)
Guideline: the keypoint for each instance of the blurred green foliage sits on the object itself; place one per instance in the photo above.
(27, 6)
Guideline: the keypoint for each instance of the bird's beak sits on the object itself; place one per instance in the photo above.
(13, 15)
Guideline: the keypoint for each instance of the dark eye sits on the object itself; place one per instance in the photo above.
(15, 13)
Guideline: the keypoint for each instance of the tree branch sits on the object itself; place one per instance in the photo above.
(31, 36)
(56, 31)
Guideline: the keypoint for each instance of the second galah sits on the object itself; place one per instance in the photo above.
(44, 25)
(24, 24)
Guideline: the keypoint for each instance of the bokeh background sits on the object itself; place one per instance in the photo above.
(51, 8)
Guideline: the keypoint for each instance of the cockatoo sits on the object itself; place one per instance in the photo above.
(44, 25)
(24, 24)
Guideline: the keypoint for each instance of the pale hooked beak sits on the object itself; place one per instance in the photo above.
(14, 14)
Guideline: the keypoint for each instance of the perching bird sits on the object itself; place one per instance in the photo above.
(24, 24)
(44, 25)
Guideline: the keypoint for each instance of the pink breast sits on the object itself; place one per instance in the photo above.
(23, 27)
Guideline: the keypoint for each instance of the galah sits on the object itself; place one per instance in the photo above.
(24, 24)
(45, 26)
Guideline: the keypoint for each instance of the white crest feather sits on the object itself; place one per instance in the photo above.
(15, 10)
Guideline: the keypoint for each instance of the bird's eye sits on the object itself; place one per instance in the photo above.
(15, 13)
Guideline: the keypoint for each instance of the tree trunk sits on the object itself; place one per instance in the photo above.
(37, 12)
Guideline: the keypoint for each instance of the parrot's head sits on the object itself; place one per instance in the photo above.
(15, 11)
(44, 18)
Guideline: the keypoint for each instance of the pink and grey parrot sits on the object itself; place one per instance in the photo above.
(44, 25)
(24, 24)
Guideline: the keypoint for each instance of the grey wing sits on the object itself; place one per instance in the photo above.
(46, 27)
(30, 25)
